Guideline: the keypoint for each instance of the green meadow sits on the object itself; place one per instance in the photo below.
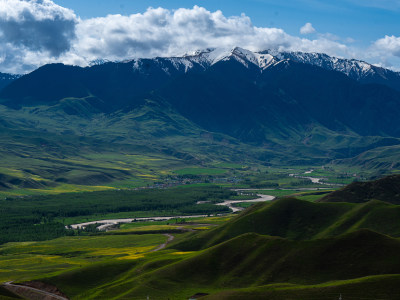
(31, 260)
(280, 250)
(276, 249)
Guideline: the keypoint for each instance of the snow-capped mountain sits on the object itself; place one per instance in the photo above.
(257, 97)
(353, 68)
(203, 59)
(211, 56)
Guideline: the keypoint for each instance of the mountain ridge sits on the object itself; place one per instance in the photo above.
(353, 68)
(287, 113)
(356, 69)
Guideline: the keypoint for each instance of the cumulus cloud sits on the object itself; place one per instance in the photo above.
(385, 52)
(36, 32)
(38, 25)
(307, 29)
(163, 32)
(388, 44)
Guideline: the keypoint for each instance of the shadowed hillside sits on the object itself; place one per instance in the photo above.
(301, 220)
(386, 189)
(251, 260)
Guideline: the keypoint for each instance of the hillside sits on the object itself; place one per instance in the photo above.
(282, 249)
(230, 96)
(301, 220)
(207, 107)
(385, 189)
(250, 261)
(6, 79)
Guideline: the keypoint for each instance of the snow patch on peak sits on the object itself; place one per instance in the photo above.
(203, 59)
(198, 52)
(216, 55)
(98, 62)
(351, 67)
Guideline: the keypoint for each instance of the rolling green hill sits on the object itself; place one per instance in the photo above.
(301, 220)
(370, 287)
(384, 189)
(248, 261)
(284, 249)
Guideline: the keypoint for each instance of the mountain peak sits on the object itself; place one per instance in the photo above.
(355, 69)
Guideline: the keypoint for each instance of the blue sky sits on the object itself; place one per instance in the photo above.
(36, 32)
(362, 20)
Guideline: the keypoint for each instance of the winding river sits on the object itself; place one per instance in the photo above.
(106, 224)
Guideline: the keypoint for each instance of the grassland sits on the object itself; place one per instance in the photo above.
(226, 251)
(30, 260)
(249, 264)
(199, 171)
(368, 288)
(298, 219)
(224, 257)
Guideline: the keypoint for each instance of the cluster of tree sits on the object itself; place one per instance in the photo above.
(21, 230)
(33, 218)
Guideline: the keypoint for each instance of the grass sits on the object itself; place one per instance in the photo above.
(370, 287)
(226, 165)
(244, 204)
(229, 260)
(311, 196)
(276, 192)
(59, 189)
(385, 189)
(298, 193)
(29, 260)
(261, 262)
(145, 227)
(199, 171)
(301, 220)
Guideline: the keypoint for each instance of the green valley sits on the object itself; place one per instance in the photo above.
(248, 175)
(287, 248)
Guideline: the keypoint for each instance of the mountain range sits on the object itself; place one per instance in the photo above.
(268, 107)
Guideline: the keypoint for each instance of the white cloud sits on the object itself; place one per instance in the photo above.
(385, 52)
(37, 25)
(388, 45)
(162, 32)
(307, 29)
(36, 32)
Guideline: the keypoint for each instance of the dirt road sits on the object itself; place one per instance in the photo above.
(170, 238)
(30, 293)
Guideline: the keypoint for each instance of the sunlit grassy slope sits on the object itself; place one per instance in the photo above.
(29, 260)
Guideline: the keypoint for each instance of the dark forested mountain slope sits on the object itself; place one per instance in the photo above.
(6, 79)
(229, 96)
(307, 105)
